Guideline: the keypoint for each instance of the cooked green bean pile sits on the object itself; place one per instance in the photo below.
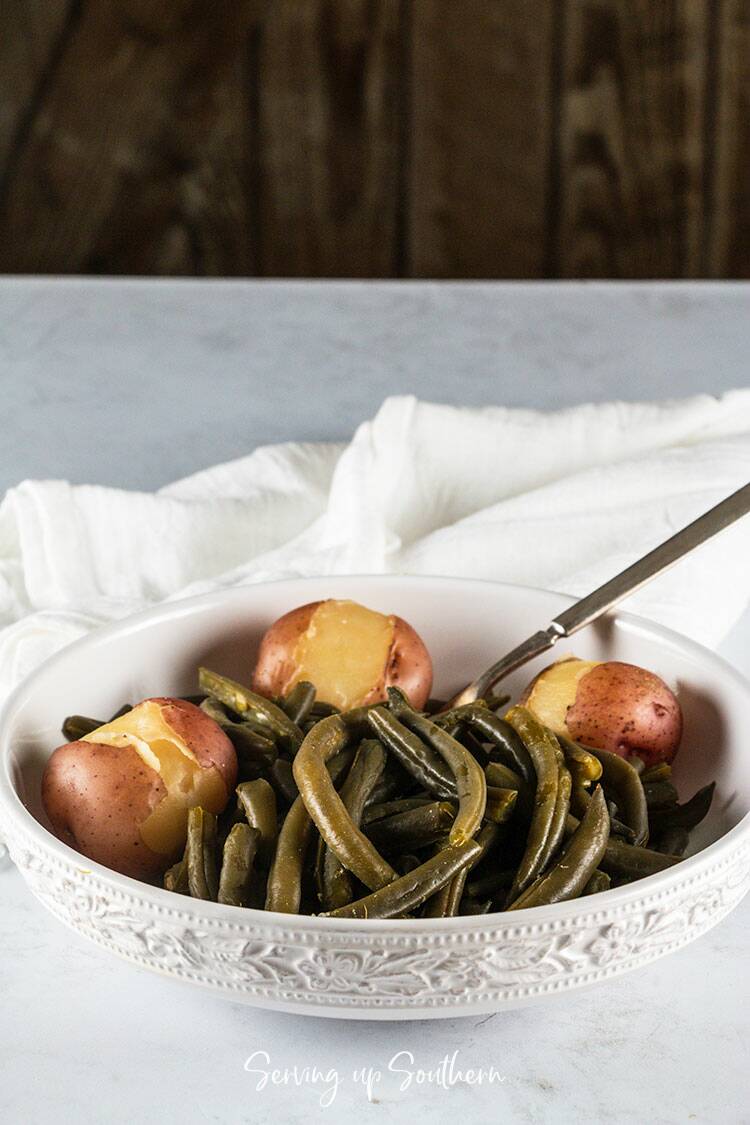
(387, 812)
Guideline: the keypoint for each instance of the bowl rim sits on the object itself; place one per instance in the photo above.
(660, 884)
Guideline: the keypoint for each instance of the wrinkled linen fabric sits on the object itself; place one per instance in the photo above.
(560, 500)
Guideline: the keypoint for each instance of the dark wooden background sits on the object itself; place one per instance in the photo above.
(395, 138)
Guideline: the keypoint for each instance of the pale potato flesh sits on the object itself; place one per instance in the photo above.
(554, 691)
(344, 651)
(186, 782)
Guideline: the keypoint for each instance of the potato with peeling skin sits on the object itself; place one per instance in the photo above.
(121, 794)
(609, 705)
(350, 653)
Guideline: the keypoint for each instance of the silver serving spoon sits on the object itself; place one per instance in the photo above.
(627, 582)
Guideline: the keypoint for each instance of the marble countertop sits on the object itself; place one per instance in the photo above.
(136, 383)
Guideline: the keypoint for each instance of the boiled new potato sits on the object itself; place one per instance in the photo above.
(351, 654)
(121, 794)
(609, 705)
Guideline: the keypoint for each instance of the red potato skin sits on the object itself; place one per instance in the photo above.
(98, 796)
(409, 665)
(202, 735)
(274, 667)
(627, 710)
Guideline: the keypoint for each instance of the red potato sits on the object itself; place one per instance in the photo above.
(611, 706)
(351, 654)
(121, 795)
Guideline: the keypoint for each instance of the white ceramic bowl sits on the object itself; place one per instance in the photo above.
(379, 969)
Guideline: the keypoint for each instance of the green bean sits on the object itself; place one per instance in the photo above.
(688, 815)
(455, 730)
(579, 799)
(321, 710)
(562, 808)
(470, 906)
(394, 782)
(501, 777)
(211, 707)
(176, 878)
(583, 765)
(245, 702)
(406, 862)
(490, 884)
(225, 822)
(617, 828)
(449, 785)
(506, 744)
(237, 865)
(580, 802)
(258, 801)
(662, 771)
(210, 854)
(410, 890)
(298, 703)
(203, 879)
(435, 706)
(281, 777)
(120, 712)
(250, 723)
(501, 804)
(326, 808)
(673, 841)
(599, 881)
(472, 742)
(658, 794)
(626, 861)
(505, 741)
(254, 751)
(445, 903)
(458, 715)
(419, 760)
(580, 858)
(335, 881)
(76, 726)
(618, 773)
(471, 786)
(389, 808)
(284, 886)
(543, 751)
(495, 702)
(414, 828)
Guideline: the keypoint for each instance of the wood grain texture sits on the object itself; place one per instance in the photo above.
(328, 108)
(134, 161)
(481, 135)
(423, 138)
(729, 245)
(632, 138)
(29, 33)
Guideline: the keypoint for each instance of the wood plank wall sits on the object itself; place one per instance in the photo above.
(391, 138)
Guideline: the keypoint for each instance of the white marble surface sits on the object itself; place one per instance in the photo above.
(136, 383)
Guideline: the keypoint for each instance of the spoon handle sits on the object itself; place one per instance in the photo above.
(627, 582)
(655, 562)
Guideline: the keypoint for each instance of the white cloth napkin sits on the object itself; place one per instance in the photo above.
(561, 500)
